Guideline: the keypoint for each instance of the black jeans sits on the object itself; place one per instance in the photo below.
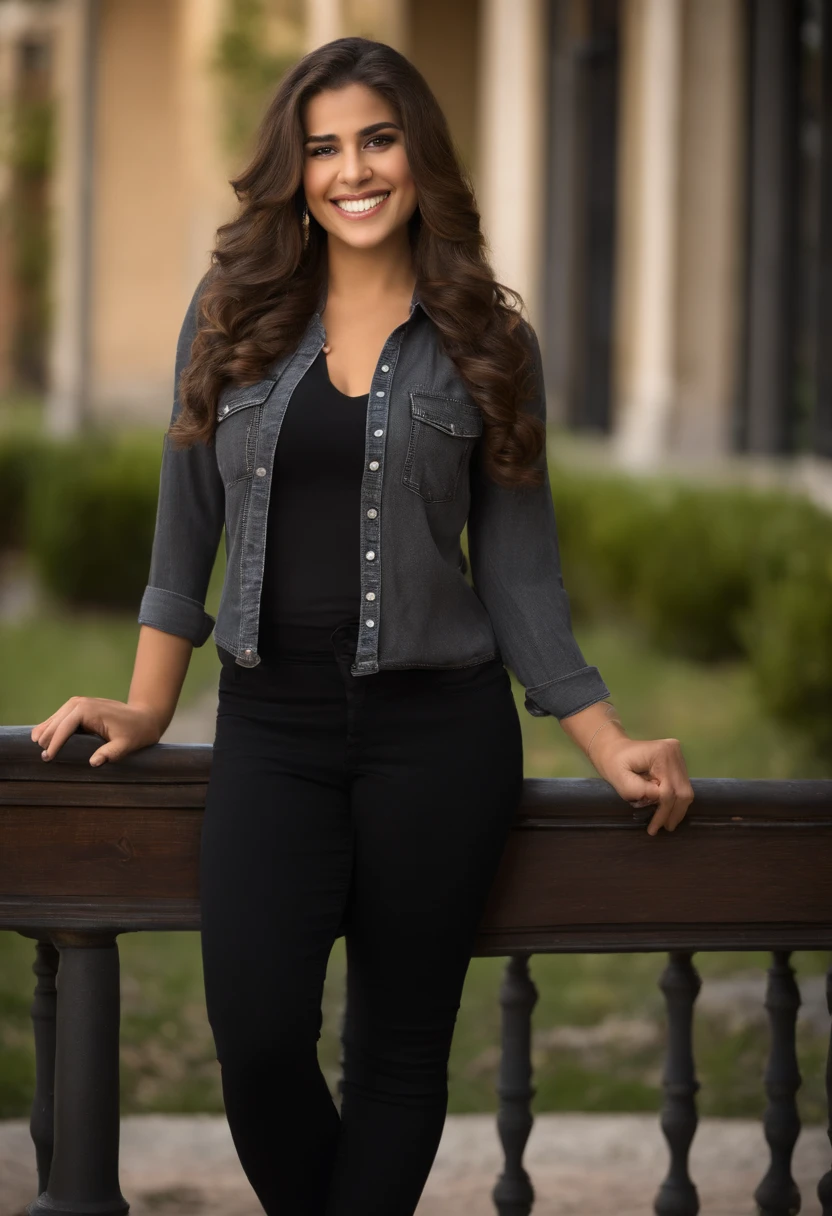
(376, 807)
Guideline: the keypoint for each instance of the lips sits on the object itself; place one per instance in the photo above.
(358, 208)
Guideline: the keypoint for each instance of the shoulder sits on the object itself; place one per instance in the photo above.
(529, 337)
(190, 322)
(531, 386)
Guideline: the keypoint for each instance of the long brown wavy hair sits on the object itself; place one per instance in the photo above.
(265, 281)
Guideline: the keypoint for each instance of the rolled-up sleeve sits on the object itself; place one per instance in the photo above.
(516, 572)
(189, 520)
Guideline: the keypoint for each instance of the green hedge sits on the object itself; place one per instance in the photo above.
(708, 573)
(85, 509)
(19, 457)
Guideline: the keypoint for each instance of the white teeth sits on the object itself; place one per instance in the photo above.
(360, 204)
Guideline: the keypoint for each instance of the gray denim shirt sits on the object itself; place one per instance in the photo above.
(422, 481)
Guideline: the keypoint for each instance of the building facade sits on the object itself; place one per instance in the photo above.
(654, 176)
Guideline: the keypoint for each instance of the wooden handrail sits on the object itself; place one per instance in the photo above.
(744, 869)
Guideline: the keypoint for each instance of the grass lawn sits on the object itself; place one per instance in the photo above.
(167, 1053)
(57, 654)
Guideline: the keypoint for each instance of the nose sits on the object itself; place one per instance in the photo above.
(353, 168)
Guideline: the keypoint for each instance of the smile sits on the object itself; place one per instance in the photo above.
(357, 208)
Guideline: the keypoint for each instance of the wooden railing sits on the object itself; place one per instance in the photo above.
(86, 854)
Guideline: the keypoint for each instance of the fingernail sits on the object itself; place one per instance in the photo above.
(44, 755)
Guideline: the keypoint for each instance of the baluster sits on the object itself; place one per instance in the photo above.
(42, 1012)
(83, 1178)
(825, 1184)
(680, 983)
(778, 1194)
(513, 1193)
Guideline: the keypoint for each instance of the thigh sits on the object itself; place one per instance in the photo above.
(432, 810)
(275, 866)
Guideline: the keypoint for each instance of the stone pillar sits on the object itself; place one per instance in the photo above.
(207, 198)
(324, 22)
(71, 203)
(649, 205)
(711, 229)
(511, 157)
(8, 47)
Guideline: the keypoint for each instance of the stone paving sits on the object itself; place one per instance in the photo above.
(580, 1165)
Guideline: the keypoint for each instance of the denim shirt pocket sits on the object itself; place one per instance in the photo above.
(443, 431)
(239, 410)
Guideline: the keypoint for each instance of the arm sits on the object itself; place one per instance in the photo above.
(189, 520)
(158, 674)
(159, 671)
(516, 571)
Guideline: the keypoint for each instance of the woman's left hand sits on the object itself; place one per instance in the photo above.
(647, 772)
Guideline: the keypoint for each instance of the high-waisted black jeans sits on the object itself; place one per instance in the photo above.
(376, 807)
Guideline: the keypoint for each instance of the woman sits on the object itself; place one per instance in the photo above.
(367, 762)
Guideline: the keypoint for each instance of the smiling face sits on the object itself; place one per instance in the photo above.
(356, 176)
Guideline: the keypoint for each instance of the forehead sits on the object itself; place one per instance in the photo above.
(345, 110)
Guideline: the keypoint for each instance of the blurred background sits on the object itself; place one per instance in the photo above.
(655, 178)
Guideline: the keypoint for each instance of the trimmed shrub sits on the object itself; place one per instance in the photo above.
(709, 573)
(93, 511)
(787, 631)
(601, 521)
(20, 456)
(696, 571)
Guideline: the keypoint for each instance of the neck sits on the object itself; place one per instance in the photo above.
(366, 277)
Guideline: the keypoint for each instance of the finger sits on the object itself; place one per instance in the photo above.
(667, 801)
(35, 731)
(683, 800)
(45, 736)
(661, 768)
(109, 751)
(678, 775)
(62, 732)
(44, 731)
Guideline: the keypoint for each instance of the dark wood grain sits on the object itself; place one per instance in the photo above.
(117, 849)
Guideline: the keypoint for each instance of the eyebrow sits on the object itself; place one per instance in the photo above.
(371, 130)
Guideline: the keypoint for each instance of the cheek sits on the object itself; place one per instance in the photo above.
(398, 172)
(315, 180)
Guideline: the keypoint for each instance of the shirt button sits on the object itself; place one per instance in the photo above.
(373, 465)
(378, 432)
(369, 624)
(225, 409)
(372, 513)
(380, 392)
(260, 472)
(369, 555)
(385, 367)
(371, 595)
(248, 652)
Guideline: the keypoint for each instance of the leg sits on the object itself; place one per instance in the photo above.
(442, 782)
(276, 857)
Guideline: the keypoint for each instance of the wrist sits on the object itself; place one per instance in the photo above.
(156, 717)
(606, 742)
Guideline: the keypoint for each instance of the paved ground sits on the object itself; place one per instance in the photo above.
(580, 1165)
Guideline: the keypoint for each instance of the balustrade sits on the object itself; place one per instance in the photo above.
(87, 854)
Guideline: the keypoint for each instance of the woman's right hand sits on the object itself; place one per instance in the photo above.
(125, 727)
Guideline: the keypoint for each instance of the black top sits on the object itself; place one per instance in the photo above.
(311, 577)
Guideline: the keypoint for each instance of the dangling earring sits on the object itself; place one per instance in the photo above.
(305, 225)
